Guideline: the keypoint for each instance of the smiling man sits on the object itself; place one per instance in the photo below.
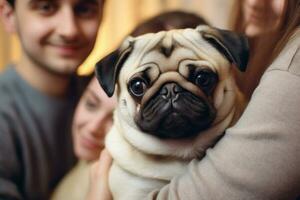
(39, 93)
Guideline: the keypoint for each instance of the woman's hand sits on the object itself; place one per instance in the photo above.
(99, 189)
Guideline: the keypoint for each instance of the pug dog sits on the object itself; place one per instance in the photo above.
(176, 96)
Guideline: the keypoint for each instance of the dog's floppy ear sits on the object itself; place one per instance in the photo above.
(108, 68)
(233, 46)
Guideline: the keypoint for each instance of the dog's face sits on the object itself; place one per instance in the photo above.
(173, 84)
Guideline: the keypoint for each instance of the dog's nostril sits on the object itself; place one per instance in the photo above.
(164, 91)
(177, 89)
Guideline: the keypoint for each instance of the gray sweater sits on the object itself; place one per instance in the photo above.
(35, 138)
(258, 158)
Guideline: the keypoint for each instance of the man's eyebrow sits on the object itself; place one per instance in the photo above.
(33, 2)
(82, 1)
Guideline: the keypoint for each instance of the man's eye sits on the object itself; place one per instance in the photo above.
(46, 7)
(87, 10)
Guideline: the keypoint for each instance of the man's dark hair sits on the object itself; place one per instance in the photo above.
(167, 21)
(11, 2)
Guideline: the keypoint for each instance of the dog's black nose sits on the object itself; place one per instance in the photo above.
(170, 90)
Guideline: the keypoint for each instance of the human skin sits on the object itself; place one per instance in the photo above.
(92, 120)
(262, 16)
(99, 188)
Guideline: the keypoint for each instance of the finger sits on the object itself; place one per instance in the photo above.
(99, 188)
(105, 161)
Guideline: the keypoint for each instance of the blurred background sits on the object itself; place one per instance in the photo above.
(120, 18)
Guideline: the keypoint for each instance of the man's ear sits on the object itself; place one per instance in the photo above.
(233, 46)
(7, 16)
(108, 68)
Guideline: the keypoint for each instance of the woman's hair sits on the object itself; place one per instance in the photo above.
(236, 22)
(289, 24)
(167, 21)
(266, 47)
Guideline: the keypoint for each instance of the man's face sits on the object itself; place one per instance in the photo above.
(57, 34)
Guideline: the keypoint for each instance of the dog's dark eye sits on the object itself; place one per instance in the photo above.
(206, 79)
(203, 79)
(137, 87)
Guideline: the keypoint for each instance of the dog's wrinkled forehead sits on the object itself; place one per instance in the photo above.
(168, 49)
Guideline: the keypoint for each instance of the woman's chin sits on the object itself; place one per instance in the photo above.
(84, 154)
(253, 31)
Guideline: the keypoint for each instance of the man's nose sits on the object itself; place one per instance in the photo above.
(68, 26)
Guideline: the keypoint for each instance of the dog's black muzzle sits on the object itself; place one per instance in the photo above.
(174, 112)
